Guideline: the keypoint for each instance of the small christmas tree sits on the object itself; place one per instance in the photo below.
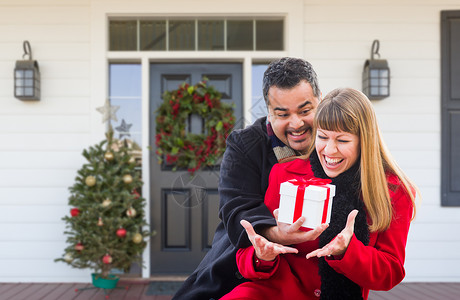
(107, 221)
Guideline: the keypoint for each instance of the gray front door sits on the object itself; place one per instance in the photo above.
(184, 209)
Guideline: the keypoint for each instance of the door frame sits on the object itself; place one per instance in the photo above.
(247, 61)
(102, 10)
(190, 248)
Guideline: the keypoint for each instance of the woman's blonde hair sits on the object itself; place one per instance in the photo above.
(349, 110)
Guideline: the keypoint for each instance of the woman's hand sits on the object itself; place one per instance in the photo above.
(340, 243)
(264, 249)
(290, 234)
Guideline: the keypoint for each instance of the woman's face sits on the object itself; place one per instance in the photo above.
(337, 151)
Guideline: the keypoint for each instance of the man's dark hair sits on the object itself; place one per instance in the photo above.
(288, 72)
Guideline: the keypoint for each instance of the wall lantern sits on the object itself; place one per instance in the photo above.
(27, 77)
(376, 75)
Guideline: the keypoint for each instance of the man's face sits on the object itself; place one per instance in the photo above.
(291, 113)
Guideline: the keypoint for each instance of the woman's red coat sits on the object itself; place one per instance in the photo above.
(378, 266)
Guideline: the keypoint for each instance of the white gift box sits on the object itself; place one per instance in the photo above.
(316, 204)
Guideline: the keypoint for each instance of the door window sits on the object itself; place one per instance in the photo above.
(258, 107)
(125, 92)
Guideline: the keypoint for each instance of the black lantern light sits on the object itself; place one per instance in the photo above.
(376, 75)
(27, 77)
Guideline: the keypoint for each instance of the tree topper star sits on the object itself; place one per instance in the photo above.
(123, 129)
(108, 112)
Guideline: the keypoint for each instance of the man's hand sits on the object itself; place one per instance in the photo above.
(290, 234)
(340, 243)
(265, 249)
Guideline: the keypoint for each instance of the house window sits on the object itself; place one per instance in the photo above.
(187, 34)
(210, 36)
(181, 35)
(123, 35)
(258, 106)
(240, 35)
(152, 35)
(125, 92)
(269, 35)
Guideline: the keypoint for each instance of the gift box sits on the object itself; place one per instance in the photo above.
(311, 198)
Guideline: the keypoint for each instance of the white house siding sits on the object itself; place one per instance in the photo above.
(42, 141)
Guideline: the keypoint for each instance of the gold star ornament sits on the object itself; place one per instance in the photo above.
(108, 112)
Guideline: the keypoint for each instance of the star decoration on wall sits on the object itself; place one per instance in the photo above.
(108, 112)
(123, 129)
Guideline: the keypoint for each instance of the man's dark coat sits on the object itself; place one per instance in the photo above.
(244, 173)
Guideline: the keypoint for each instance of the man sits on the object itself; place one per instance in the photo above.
(291, 92)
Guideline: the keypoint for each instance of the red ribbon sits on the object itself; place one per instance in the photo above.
(303, 183)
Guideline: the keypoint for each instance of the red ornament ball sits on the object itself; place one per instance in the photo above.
(136, 194)
(74, 212)
(107, 259)
(79, 247)
(121, 232)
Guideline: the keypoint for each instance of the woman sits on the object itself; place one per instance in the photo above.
(364, 246)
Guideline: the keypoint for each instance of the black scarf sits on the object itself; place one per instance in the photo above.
(336, 286)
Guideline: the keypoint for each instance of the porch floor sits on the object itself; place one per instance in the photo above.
(137, 289)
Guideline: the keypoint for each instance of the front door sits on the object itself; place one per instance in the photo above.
(184, 209)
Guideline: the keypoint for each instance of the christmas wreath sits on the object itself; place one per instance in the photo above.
(183, 149)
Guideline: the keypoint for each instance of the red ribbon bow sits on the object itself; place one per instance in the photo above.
(310, 181)
(303, 183)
